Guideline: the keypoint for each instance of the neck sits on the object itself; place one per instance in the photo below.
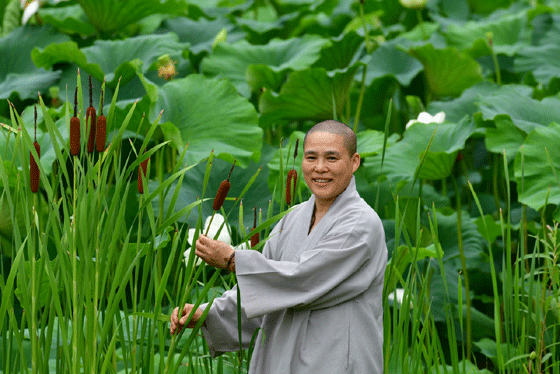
(321, 207)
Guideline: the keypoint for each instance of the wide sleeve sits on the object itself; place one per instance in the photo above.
(342, 265)
(221, 329)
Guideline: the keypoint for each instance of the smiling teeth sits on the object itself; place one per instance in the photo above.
(322, 180)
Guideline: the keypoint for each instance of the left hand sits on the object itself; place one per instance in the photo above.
(215, 253)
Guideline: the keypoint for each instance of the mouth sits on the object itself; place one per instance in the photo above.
(321, 181)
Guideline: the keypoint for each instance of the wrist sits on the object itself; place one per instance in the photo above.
(230, 266)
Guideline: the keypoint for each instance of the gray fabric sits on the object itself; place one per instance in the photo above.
(317, 298)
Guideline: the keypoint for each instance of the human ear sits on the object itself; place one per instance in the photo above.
(355, 161)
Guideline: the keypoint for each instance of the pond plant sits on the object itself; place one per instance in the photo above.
(456, 108)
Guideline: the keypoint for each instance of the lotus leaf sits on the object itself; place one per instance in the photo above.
(111, 60)
(307, 95)
(403, 158)
(542, 60)
(109, 16)
(232, 60)
(390, 61)
(17, 71)
(448, 71)
(525, 112)
(69, 19)
(210, 114)
(509, 34)
(538, 173)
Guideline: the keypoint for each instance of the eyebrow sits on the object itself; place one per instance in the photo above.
(327, 153)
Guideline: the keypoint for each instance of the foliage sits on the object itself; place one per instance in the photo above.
(469, 205)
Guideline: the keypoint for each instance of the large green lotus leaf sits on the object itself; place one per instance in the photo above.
(391, 61)
(488, 6)
(113, 59)
(307, 95)
(525, 112)
(510, 34)
(17, 71)
(403, 158)
(109, 16)
(210, 114)
(342, 52)
(370, 142)
(540, 167)
(473, 242)
(231, 61)
(542, 60)
(466, 104)
(504, 137)
(200, 34)
(260, 32)
(448, 71)
(69, 19)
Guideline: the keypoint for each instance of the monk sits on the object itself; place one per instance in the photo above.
(315, 292)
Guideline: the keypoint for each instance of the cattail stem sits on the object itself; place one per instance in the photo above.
(210, 223)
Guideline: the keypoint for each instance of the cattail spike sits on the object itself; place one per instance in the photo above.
(292, 174)
(221, 195)
(255, 237)
(35, 108)
(231, 169)
(76, 103)
(34, 172)
(90, 92)
(142, 170)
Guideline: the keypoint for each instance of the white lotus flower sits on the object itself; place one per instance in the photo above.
(425, 117)
(398, 296)
(30, 8)
(212, 231)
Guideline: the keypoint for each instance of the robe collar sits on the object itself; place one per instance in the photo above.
(320, 229)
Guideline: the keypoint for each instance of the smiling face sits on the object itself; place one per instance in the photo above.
(327, 166)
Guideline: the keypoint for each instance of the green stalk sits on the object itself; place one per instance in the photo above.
(421, 24)
(74, 276)
(465, 270)
(360, 100)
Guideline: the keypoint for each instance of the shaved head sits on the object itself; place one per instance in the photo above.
(336, 128)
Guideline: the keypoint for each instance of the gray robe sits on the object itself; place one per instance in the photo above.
(317, 298)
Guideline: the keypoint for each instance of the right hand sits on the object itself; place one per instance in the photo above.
(178, 322)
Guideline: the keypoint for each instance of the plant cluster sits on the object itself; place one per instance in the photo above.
(455, 104)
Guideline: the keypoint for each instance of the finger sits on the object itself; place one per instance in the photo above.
(174, 318)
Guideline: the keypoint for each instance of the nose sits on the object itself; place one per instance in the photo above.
(320, 166)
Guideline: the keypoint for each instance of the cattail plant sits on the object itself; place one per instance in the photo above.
(255, 237)
(101, 131)
(142, 171)
(221, 196)
(75, 128)
(91, 118)
(292, 175)
(33, 167)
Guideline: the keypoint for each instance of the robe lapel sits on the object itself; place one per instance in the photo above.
(300, 241)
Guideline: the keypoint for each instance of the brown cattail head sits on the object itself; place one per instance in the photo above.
(292, 174)
(221, 195)
(101, 131)
(222, 191)
(75, 128)
(142, 170)
(91, 118)
(33, 167)
(255, 237)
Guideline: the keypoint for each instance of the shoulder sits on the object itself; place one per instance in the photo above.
(358, 218)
